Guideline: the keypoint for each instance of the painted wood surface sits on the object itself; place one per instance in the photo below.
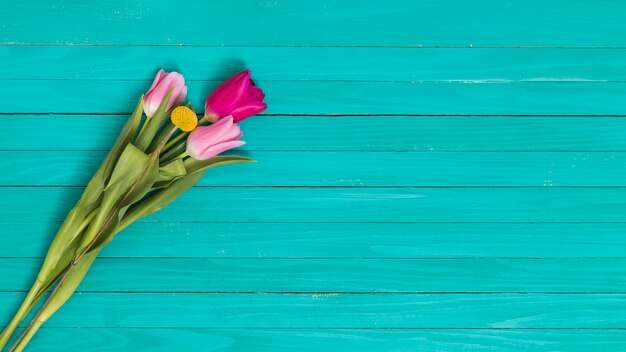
(349, 205)
(354, 169)
(432, 175)
(329, 275)
(354, 63)
(202, 239)
(340, 310)
(340, 97)
(301, 22)
(368, 340)
(348, 133)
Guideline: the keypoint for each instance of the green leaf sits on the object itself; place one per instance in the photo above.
(66, 243)
(131, 165)
(162, 197)
(165, 133)
(69, 285)
(91, 197)
(127, 135)
(93, 193)
(170, 173)
(58, 297)
(131, 180)
(192, 165)
(63, 247)
(154, 124)
(174, 169)
(175, 151)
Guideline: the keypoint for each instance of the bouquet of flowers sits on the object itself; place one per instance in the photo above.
(154, 160)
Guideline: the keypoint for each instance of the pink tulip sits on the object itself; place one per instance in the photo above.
(163, 82)
(206, 142)
(237, 97)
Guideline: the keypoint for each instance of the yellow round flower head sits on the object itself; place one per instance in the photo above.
(184, 118)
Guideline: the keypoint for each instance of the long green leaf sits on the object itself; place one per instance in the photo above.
(162, 197)
(64, 243)
(192, 165)
(154, 124)
(175, 151)
(170, 173)
(131, 179)
(92, 195)
(58, 297)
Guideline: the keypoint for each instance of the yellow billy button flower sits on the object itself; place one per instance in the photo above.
(184, 118)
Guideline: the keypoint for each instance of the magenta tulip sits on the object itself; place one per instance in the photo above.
(205, 142)
(163, 82)
(237, 97)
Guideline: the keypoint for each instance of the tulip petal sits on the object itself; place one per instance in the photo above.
(207, 141)
(217, 149)
(159, 76)
(172, 80)
(160, 87)
(179, 94)
(182, 95)
(204, 136)
(248, 109)
(229, 81)
(222, 129)
(225, 97)
(254, 93)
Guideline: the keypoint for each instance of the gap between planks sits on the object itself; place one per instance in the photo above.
(412, 47)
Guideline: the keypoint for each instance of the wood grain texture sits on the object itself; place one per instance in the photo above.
(432, 176)
(312, 340)
(337, 97)
(345, 133)
(353, 169)
(348, 205)
(176, 239)
(329, 22)
(319, 310)
(451, 275)
(355, 64)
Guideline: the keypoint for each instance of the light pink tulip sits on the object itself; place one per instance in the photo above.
(237, 97)
(163, 82)
(206, 142)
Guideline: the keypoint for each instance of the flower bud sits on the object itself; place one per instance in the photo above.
(163, 82)
(237, 97)
(206, 142)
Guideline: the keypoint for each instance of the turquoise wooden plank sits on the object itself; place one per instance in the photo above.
(338, 275)
(273, 240)
(330, 22)
(345, 133)
(347, 205)
(316, 310)
(336, 97)
(283, 340)
(214, 238)
(356, 169)
(323, 63)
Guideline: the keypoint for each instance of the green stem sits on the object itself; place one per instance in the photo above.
(165, 133)
(23, 311)
(180, 136)
(55, 263)
(174, 141)
(182, 155)
(146, 137)
(38, 320)
(143, 127)
(172, 154)
(26, 338)
(34, 295)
